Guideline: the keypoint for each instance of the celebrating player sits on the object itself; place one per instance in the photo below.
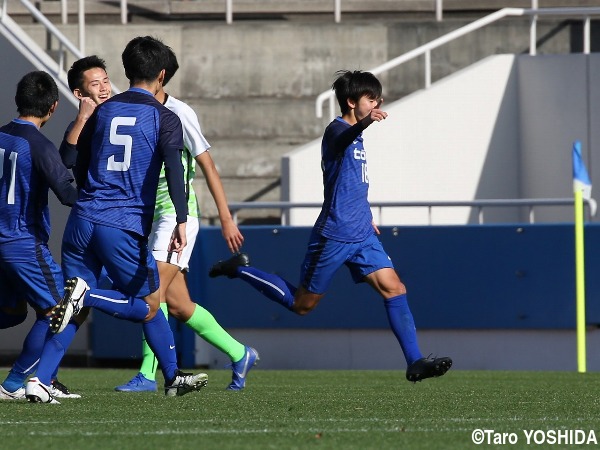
(120, 152)
(344, 233)
(30, 165)
(172, 270)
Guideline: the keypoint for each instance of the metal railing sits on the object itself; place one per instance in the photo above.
(479, 205)
(36, 55)
(229, 9)
(425, 50)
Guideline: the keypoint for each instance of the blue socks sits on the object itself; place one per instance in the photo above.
(271, 286)
(159, 337)
(30, 354)
(280, 291)
(157, 331)
(53, 352)
(117, 305)
(403, 326)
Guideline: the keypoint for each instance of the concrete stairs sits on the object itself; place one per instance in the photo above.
(254, 83)
(103, 10)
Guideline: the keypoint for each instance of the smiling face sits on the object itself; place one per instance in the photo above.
(95, 85)
(360, 109)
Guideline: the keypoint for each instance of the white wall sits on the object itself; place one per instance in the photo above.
(502, 128)
(554, 97)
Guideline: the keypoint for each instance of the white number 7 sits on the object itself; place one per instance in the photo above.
(11, 188)
(121, 139)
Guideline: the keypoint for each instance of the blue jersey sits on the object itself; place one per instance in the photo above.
(29, 165)
(68, 152)
(346, 214)
(120, 153)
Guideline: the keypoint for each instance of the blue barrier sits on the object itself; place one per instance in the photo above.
(457, 277)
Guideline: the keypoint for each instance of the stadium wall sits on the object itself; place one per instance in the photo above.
(491, 296)
(501, 128)
(320, 64)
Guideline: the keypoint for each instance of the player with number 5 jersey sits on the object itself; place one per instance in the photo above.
(120, 152)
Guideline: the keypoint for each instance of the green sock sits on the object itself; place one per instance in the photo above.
(205, 326)
(149, 361)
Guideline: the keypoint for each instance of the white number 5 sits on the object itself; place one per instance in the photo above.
(11, 188)
(121, 139)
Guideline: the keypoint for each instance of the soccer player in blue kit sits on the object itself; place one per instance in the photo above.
(30, 165)
(173, 271)
(120, 152)
(344, 232)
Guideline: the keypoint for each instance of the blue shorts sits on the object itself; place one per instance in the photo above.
(28, 272)
(87, 247)
(325, 256)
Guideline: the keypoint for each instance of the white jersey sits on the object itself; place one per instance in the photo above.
(194, 145)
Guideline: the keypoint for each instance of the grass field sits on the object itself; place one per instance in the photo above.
(309, 409)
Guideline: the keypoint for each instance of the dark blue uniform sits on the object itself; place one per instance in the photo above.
(120, 153)
(343, 233)
(30, 165)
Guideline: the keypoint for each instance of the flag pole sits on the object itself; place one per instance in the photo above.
(580, 282)
(582, 189)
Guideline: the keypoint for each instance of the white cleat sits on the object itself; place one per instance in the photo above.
(184, 383)
(19, 394)
(70, 304)
(38, 392)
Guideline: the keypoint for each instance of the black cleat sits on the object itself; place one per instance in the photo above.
(428, 368)
(59, 390)
(183, 383)
(229, 266)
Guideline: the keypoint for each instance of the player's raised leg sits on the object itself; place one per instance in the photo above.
(270, 285)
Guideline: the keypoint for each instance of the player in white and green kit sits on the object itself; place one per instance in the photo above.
(173, 267)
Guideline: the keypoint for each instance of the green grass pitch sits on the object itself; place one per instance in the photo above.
(308, 409)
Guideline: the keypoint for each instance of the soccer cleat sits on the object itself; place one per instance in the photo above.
(241, 368)
(70, 304)
(19, 394)
(59, 390)
(139, 383)
(183, 383)
(38, 392)
(229, 266)
(428, 368)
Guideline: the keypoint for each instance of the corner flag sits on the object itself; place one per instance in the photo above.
(582, 188)
(581, 179)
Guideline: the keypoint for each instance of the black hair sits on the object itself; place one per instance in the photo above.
(171, 67)
(75, 73)
(36, 93)
(143, 59)
(353, 85)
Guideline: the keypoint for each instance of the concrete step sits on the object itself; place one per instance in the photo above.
(251, 158)
(258, 8)
(250, 170)
(258, 118)
(237, 189)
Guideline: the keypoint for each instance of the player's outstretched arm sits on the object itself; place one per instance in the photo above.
(376, 115)
(232, 235)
